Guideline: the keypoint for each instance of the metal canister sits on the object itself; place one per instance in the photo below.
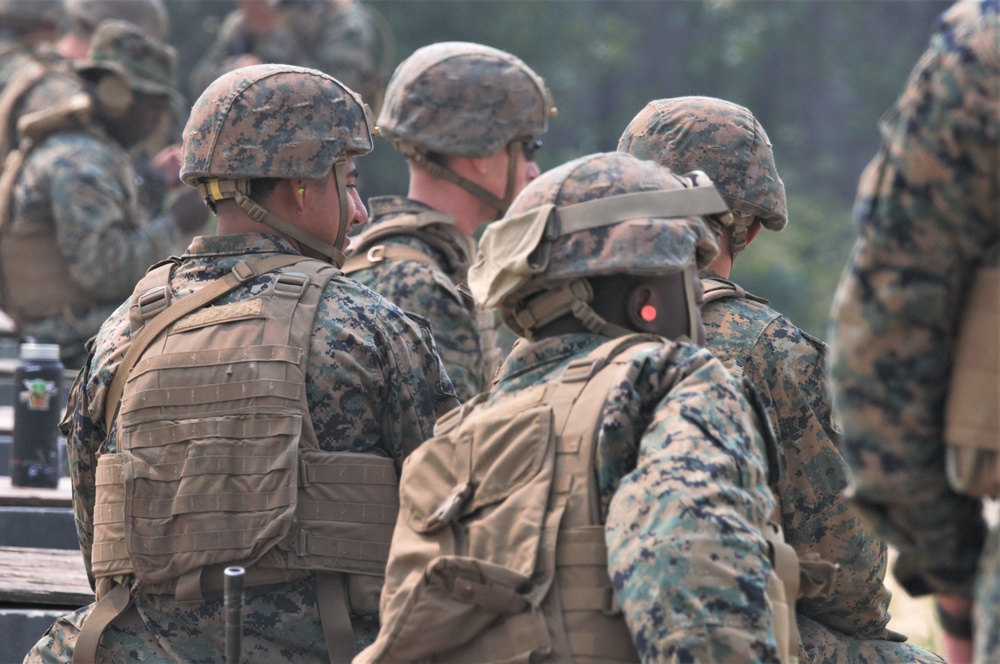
(38, 385)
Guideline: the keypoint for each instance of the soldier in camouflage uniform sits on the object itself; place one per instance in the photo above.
(680, 468)
(73, 239)
(24, 27)
(339, 37)
(467, 160)
(786, 366)
(369, 378)
(927, 209)
(53, 80)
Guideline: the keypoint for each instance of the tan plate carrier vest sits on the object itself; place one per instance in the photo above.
(972, 411)
(218, 463)
(499, 554)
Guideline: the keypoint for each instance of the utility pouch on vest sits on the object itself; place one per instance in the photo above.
(499, 553)
(972, 412)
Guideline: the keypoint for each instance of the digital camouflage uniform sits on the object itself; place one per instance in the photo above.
(431, 290)
(374, 384)
(18, 21)
(786, 367)
(337, 37)
(680, 468)
(483, 100)
(927, 213)
(79, 184)
(373, 381)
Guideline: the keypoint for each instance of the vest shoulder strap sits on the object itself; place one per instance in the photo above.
(717, 288)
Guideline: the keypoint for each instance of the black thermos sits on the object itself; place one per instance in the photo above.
(34, 457)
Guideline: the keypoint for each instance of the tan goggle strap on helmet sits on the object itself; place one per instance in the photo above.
(571, 298)
(443, 172)
(505, 268)
(697, 201)
(215, 190)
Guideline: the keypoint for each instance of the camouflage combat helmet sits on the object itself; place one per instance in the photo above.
(31, 15)
(149, 15)
(143, 62)
(723, 139)
(459, 99)
(600, 215)
(274, 121)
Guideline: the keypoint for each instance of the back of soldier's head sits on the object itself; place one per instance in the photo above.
(25, 17)
(149, 15)
(721, 138)
(463, 99)
(602, 215)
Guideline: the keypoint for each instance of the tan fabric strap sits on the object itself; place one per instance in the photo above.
(242, 273)
(380, 253)
(445, 173)
(217, 189)
(785, 562)
(693, 202)
(572, 298)
(331, 598)
(112, 605)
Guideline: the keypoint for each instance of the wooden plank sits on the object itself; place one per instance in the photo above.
(50, 577)
(15, 496)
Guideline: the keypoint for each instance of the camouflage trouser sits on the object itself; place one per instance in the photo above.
(821, 644)
(277, 627)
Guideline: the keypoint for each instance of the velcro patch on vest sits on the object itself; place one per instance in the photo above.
(224, 313)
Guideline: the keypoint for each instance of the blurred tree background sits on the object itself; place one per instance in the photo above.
(818, 74)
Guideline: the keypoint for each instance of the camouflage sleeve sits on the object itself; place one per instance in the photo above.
(107, 248)
(416, 287)
(927, 208)
(685, 549)
(377, 383)
(787, 369)
(82, 440)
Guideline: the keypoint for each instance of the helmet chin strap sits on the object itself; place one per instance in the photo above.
(499, 205)
(215, 190)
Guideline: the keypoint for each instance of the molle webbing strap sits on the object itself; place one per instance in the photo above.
(242, 273)
(331, 599)
(582, 580)
(380, 253)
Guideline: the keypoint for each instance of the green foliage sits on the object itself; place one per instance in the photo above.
(817, 73)
(797, 269)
